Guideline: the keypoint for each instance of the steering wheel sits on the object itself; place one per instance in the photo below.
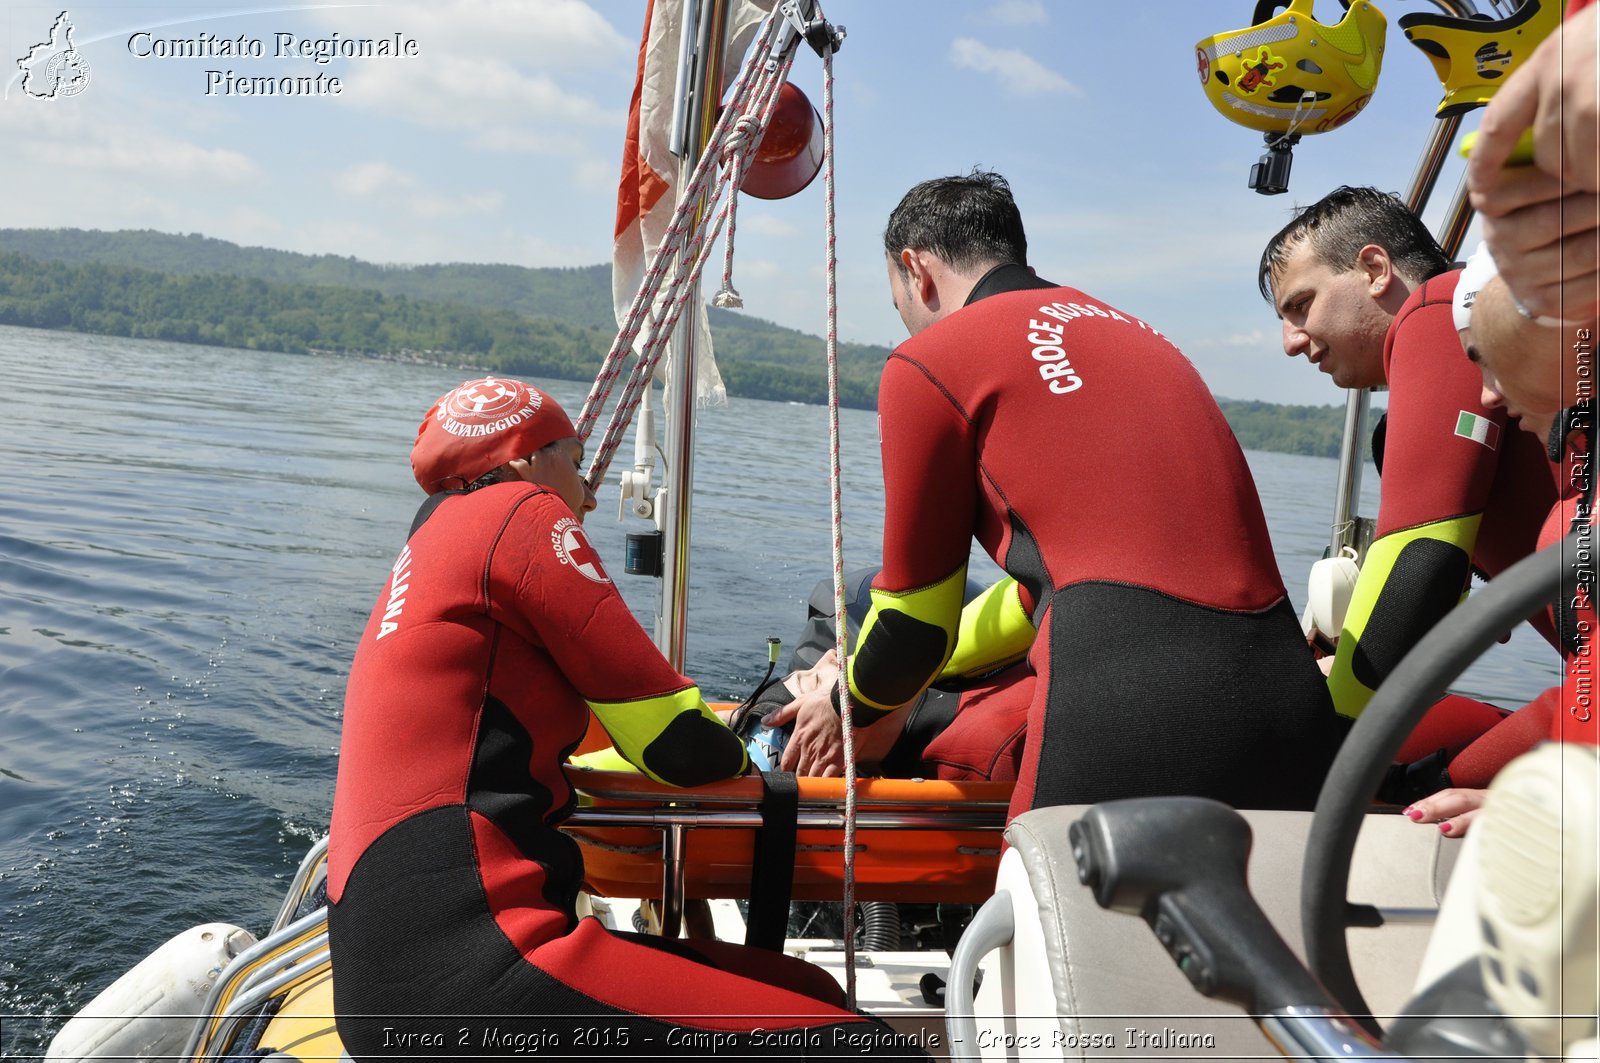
(1419, 680)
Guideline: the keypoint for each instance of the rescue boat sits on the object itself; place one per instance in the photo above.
(1057, 974)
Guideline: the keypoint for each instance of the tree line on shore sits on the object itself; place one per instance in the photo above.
(549, 323)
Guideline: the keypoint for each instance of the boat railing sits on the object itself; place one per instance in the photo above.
(312, 872)
(276, 964)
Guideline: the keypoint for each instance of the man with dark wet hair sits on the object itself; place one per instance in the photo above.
(1088, 458)
(1364, 293)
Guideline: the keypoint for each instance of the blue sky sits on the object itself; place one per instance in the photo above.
(500, 142)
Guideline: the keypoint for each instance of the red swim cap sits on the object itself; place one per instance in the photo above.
(481, 425)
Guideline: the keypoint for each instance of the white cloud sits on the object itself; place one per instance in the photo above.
(1017, 72)
(1253, 339)
(566, 33)
(431, 206)
(757, 269)
(1018, 13)
(589, 173)
(765, 224)
(58, 139)
(513, 77)
(493, 104)
(369, 178)
(375, 180)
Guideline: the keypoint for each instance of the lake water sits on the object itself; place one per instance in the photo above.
(190, 542)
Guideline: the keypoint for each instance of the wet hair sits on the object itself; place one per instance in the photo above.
(968, 221)
(499, 474)
(496, 475)
(1341, 223)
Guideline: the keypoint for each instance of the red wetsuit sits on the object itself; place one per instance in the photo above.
(451, 888)
(1478, 740)
(1088, 458)
(1565, 712)
(1462, 490)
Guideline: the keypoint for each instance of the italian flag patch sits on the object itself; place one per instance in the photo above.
(1478, 429)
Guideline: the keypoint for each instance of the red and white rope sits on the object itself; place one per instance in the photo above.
(665, 291)
(835, 494)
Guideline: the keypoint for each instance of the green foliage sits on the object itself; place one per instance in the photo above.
(1316, 431)
(567, 309)
(554, 323)
(229, 311)
(580, 296)
(766, 361)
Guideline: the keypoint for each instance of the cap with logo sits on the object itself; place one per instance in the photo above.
(482, 425)
(1478, 271)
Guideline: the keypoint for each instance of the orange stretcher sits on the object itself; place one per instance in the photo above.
(917, 840)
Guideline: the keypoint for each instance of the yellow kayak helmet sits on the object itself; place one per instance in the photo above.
(1289, 73)
(1472, 56)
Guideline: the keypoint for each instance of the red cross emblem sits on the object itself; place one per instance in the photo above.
(480, 395)
(488, 399)
(574, 549)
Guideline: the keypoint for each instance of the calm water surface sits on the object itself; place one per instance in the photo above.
(190, 541)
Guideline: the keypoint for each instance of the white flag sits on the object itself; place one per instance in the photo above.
(647, 193)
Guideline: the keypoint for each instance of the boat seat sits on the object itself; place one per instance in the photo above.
(917, 840)
(1079, 982)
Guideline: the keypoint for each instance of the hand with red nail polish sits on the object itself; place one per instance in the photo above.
(1453, 810)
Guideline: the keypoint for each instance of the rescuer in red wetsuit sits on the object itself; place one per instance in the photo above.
(1564, 712)
(1536, 323)
(1086, 455)
(1365, 294)
(1462, 744)
(968, 726)
(452, 915)
(1543, 225)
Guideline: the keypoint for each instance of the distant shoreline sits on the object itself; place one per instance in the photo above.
(543, 323)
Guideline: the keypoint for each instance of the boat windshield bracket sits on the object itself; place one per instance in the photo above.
(803, 19)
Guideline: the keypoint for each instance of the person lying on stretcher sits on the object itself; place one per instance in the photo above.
(967, 726)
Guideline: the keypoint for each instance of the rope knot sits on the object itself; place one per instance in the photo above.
(746, 129)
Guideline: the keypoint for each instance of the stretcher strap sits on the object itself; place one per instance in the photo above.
(772, 868)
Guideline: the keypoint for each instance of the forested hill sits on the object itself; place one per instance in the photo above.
(580, 296)
(498, 318)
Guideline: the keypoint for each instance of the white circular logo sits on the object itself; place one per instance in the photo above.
(488, 399)
(573, 548)
(67, 73)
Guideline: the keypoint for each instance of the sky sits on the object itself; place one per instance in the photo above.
(500, 140)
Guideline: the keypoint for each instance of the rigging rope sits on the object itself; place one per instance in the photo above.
(664, 293)
(728, 296)
(842, 628)
(662, 297)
